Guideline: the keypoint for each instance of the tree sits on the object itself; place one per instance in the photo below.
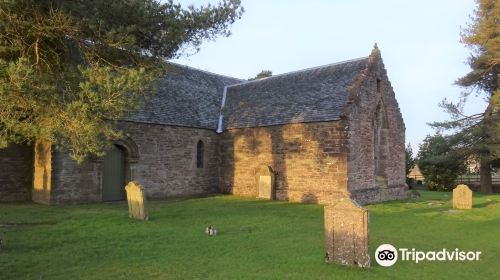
(70, 68)
(409, 164)
(439, 162)
(410, 160)
(262, 74)
(479, 134)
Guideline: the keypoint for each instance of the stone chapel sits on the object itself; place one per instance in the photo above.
(312, 135)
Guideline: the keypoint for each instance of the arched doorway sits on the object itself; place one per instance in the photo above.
(113, 174)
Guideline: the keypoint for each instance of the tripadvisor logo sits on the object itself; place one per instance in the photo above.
(387, 255)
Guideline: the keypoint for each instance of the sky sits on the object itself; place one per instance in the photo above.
(419, 42)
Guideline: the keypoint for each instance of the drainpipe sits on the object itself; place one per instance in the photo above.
(220, 124)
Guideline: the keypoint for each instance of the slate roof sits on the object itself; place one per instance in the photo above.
(186, 97)
(193, 98)
(315, 94)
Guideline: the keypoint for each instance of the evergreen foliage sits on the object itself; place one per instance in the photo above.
(69, 69)
(479, 134)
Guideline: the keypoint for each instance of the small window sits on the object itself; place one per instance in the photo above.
(378, 85)
(199, 154)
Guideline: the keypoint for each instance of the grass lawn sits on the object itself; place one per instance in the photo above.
(257, 240)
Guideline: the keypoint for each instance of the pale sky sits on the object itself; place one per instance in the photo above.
(419, 41)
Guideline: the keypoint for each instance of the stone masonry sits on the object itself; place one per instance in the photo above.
(327, 132)
(376, 137)
(166, 166)
(16, 173)
(358, 153)
(167, 162)
(309, 160)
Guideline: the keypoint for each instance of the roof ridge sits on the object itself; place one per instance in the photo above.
(203, 71)
(299, 71)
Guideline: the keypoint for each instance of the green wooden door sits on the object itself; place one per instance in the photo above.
(113, 175)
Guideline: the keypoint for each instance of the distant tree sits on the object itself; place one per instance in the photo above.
(69, 68)
(439, 162)
(479, 134)
(410, 159)
(262, 74)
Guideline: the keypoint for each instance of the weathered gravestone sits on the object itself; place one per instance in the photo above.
(462, 197)
(136, 198)
(346, 234)
(265, 182)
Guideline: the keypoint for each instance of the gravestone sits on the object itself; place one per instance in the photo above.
(462, 197)
(136, 199)
(265, 183)
(346, 233)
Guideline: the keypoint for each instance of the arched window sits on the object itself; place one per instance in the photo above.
(199, 154)
(380, 145)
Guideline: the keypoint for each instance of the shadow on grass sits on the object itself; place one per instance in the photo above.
(489, 204)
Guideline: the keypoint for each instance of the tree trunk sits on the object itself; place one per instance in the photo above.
(485, 176)
(485, 162)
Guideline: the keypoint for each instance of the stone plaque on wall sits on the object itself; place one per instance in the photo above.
(265, 183)
(265, 187)
(462, 197)
(136, 199)
(346, 233)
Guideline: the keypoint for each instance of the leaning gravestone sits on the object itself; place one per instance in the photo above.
(346, 234)
(136, 201)
(462, 197)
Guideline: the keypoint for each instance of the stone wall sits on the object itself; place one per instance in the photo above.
(363, 154)
(73, 182)
(309, 160)
(167, 159)
(165, 165)
(376, 138)
(16, 173)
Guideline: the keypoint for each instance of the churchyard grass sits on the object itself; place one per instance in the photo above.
(256, 239)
